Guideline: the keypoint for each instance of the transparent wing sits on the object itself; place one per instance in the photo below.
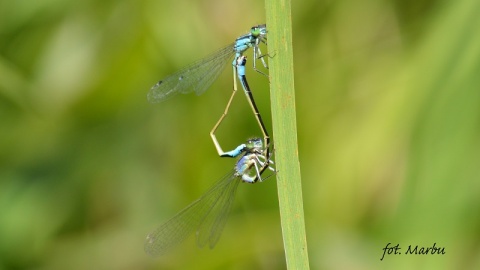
(194, 216)
(197, 77)
(214, 221)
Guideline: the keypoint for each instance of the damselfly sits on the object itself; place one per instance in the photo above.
(208, 214)
(198, 76)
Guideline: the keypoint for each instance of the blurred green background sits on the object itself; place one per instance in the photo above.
(388, 112)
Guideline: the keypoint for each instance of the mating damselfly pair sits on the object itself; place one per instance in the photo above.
(208, 214)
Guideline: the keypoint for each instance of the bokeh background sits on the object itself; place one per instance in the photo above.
(388, 113)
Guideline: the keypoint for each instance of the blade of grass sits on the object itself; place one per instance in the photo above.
(284, 124)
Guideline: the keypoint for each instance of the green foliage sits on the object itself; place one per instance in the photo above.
(386, 100)
(285, 130)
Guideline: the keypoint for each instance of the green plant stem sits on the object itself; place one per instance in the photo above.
(282, 94)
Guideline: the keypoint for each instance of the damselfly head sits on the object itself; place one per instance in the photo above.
(254, 145)
(259, 30)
